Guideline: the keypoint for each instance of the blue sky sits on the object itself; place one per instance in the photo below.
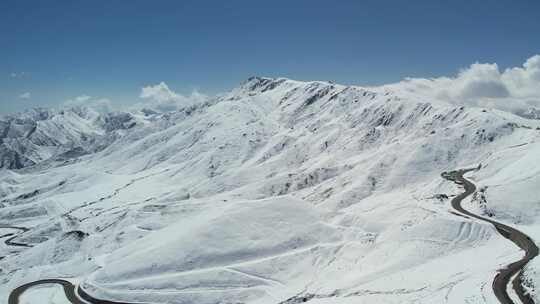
(57, 50)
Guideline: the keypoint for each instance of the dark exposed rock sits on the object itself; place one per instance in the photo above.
(77, 234)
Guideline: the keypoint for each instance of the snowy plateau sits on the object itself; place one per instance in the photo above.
(278, 191)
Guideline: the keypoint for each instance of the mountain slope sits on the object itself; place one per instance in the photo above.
(277, 190)
(38, 135)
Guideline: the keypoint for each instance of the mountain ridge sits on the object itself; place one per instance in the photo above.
(276, 189)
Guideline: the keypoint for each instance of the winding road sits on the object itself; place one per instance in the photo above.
(74, 293)
(69, 290)
(511, 273)
(515, 269)
(13, 236)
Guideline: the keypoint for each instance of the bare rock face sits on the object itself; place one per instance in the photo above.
(531, 113)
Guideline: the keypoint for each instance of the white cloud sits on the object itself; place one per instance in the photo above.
(25, 95)
(524, 81)
(162, 98)
(82, 98)
(102, 105)
(15, 75)
(484, 85)
(159, 92)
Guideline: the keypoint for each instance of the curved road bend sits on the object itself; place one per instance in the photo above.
(503, 277)
(69, 290)
(12, 236)
(75, 297)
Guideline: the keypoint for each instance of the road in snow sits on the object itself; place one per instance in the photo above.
(74, 294)
(503, 277)
(69, 289)
(9, 241)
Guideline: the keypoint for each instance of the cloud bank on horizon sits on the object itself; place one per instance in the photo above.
(161, 98)
(101, 105)
(483, 85)
(514, 89)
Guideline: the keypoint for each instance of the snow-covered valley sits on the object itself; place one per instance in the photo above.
(279, 191)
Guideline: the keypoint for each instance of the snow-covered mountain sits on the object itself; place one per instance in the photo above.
(38, 135)
(279, 191)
